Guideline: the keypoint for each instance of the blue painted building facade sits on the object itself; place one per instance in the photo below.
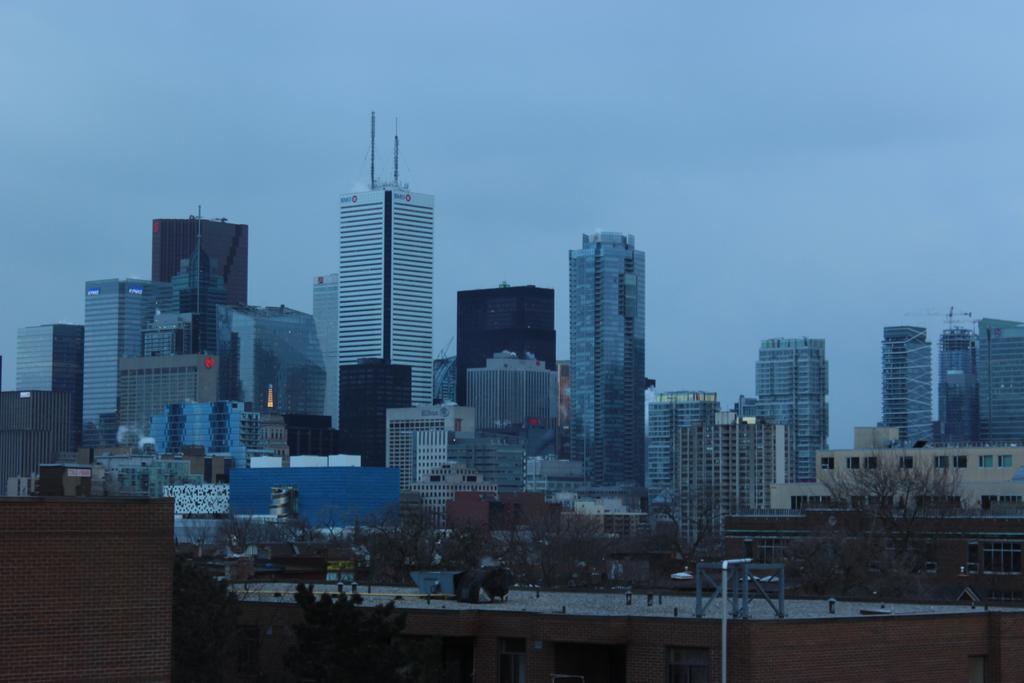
(326, 496)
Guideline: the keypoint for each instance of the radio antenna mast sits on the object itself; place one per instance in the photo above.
(396, 151)
(373, 150)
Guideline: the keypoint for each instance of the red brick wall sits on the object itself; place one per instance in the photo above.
(86, 589)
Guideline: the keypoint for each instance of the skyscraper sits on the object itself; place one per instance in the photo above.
(418, 438)
(148, 383)
(1001, 380)
(325, 316)
(368, 389)
(226, 243)
(958, 386)
(516, 319)
(512, 394)
(197, 289)
(792, 385)
(907, 382)
(116, 312)
(386, 281)
(270, 357)
(35, 427)
(50, 358)
(667, 415)
(606, 321)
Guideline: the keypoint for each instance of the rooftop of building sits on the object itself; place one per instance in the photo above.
(612, 604)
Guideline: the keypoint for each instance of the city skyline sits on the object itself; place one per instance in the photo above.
(774, 179)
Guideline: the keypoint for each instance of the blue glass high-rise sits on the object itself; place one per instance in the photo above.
(907, 382)
(606, 321)
(958, 386)
(50, 358)
(116, 312)
(270, 357)
(1001, 380)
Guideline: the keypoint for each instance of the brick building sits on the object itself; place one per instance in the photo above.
(599, 638)
(87, 589)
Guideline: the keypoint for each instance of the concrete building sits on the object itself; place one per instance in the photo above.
(958, 386)
(986, 476)
(907, 382)
(725, 467)
(607, 350)
(386, 281)
(520, 320)
(667, 415)
(145, 385)
(51, 358)
(499, 459)
(511, 394)
(35, 428)
(792, 386)
(552, 475)
(439, 485)
(1001, 380)
(325, 316)
(417, 438)
(116, 313)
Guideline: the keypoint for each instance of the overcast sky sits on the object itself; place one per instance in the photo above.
(791, 168)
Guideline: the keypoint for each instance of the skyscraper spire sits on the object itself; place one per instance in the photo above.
(396, 151)
(373, 150)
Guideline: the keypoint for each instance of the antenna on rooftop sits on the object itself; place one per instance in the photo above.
(396, 151)
(373, 149)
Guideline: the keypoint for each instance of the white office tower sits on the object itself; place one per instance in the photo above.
(386, 279)
(325, 317)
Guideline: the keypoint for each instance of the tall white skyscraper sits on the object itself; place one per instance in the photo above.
(386, 281)
(325, 316)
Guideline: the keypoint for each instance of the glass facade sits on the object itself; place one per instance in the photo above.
(325, 315)
(327, 496)
(50, 358)
(220, 427)
(175, 239)
(606, 322)
(1001, 380)
(792, 384)
(667, 414)
(516, 319)
(958, 386)
(907, 382)
(197, 290)
(146, 384)
(270, 357)
(116, 312)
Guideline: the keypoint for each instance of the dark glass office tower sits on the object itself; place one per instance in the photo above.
(607, 350)
(50, 358)
(958, 386)
(270, 357)
(226, 243)
(197, 290)
(516, 319)
(1001, 380)
(368, 389)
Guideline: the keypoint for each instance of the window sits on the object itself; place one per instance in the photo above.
(871, 462)
(959, 462)
(985, 461)
(972, 558)
(1001, 558)
(687, 665)
(941, 462)
(770, 549)
(828, 463)
(853, 463)
(906, 462)
(931, 567)
(512, 660)
(1006, 461)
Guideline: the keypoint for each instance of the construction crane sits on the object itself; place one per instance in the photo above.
(953, 317)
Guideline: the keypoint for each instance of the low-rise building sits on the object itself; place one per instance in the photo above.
(440, 485)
